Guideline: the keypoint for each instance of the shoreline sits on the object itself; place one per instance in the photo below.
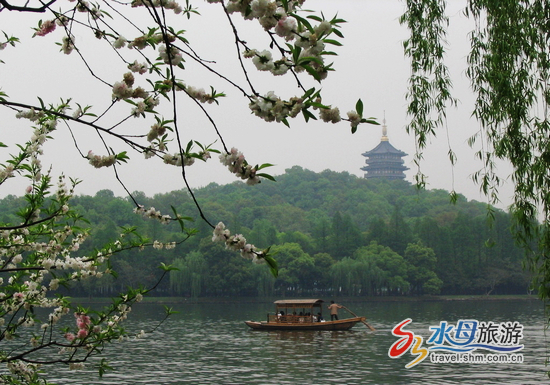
(217, 300)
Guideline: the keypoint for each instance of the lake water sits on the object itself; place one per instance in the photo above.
(210, 344)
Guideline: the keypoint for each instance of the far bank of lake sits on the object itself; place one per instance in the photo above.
(214, 300)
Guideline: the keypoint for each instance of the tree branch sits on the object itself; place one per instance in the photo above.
(9, 7)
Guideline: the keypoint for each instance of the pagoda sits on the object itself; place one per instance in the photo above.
(384, 161)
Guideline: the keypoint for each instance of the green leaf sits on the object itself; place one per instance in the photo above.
(337, 33)
(178, 218)
(307, 59)
(266, 176)
(333, 42)
(264, 165)
(166, 267)
(312, 72)
(168, 311)
(490, 242)
(370, 121)
(318, 105)
(308, 115)
(453, 197)
(189, 146)
(272, 263)
(359, 107)
(295, 52)
(337, 21)
(122, 157)
(304, 22)
(314, 17)
(103, 367)
(106, 13)
(308, 93)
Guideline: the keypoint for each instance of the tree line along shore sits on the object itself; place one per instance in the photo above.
(334, 235)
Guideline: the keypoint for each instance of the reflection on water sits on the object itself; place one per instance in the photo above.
(210, 344)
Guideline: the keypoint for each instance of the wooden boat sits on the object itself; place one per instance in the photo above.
(301, 314)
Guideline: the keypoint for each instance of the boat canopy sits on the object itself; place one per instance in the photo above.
(298, 303)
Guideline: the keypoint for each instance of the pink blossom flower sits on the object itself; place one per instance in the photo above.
(285, 27)
(18, 296)
(121, 90)
(82, 333)
(141, 68)
(69, 337)
(46, 27)
(82, 320)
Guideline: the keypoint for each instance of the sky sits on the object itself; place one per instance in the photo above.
(370, 66)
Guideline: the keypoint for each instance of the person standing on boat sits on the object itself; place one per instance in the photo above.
(333, 307)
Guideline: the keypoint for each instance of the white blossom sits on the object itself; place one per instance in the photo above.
(331, 115)
(263, 61)
(354, 118)
(120, 42)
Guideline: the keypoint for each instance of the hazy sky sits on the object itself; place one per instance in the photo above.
(370, 66)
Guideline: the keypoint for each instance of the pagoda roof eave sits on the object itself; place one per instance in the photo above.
(384, 147)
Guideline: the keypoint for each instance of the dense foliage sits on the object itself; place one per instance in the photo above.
(333, 233)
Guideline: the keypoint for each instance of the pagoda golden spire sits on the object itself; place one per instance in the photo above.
(384, 129)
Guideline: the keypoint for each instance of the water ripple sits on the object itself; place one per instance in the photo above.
(209, 344)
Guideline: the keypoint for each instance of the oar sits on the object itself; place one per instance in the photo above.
(355, 315)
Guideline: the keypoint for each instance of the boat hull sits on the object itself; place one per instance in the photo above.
(344, 324)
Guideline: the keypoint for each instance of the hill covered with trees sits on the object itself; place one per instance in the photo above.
(334, 234)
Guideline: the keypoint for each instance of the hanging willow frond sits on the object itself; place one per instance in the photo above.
(509, 71)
